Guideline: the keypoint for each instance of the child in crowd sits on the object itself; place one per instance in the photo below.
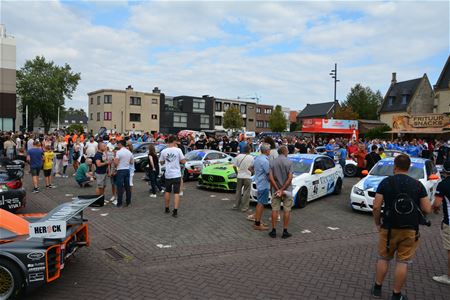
(49, 155)
(65, 163)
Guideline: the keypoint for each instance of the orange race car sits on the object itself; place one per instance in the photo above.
(35, 247)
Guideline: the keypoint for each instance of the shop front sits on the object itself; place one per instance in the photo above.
(431, 126)
(331, 127)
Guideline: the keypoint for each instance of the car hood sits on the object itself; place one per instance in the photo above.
(218, 169)
(370, 182)
(300, 179)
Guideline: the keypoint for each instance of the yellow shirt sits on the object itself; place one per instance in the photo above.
(48, 160)
(383, 155)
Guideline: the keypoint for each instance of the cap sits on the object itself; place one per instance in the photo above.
(446, 167)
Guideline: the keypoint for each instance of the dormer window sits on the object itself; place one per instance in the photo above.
(404, 99)
(391, 100)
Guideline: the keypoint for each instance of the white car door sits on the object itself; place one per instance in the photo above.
(318, 187)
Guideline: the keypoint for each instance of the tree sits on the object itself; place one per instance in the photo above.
(232, 119)
(345, 113)
(43, 86)
(75, 128)
(363, 101)
(74, 112)
(378, 132)
(277, 121)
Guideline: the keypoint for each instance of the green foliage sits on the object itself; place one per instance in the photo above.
(294, 127)
(363, 101)
(73, 112)
(378, 132)
(277, 121)
(345, 113)
(75, 128)
(232, 119)
(43, 86)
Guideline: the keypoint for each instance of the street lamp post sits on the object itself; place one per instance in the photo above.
(333, 74)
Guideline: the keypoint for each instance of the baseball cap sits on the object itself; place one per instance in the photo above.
(446, 167)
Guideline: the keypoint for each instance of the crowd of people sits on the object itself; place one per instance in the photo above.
(109, 158)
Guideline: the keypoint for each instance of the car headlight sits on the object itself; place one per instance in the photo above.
(358, 191)
(232, 176)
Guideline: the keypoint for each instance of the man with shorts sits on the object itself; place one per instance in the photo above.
(262, 168)
(101, 166)
(35, 159)
(398, 231)
(281, 170)
(171, 158)
(442, 198)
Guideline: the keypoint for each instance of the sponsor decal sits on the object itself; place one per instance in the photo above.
(35, 256)
(36, 277)
(372, 182)
(14, 202)
(38, 264)
(36, 269)
(48, 230)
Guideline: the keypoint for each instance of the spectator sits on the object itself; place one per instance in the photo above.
(35, 159)
(172, 157)
(342, 154)
(201, 143)
(242, 165)
(330, 148)
(101, 163)
(65, 164)
(372, 158)
(153, 165)
(112, 174)
(281, 174)
(360, 157)
(399, 227)
(49, 156)
(442, 198)
(83, 176)
(234, 145)
(122, 161)
(10, 148)
(381, 153)
(242, 144)
(132, 168)
(91, 147)
(261, 168)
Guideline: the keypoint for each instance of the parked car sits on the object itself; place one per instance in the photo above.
(35, 247)
(218, 176)
(140, 154)
(315, 176)
(363, 193)
(12, 193)
(197, 159)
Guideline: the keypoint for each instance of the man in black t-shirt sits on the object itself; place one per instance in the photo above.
(101, 166)
(372, 158)
(201, 143)
(234, 145)
(403, 241)
(442, 198)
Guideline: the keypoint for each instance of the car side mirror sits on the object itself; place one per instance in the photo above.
(433, 177)
(318, 171)
(230, 159)
(365, 172)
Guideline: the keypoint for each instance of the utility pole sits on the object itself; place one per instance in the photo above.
(334, 75)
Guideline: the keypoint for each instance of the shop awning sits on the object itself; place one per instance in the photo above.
(421, 131)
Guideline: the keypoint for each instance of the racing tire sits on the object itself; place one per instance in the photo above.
(350, 170)
(11, 280)
(301, 198)
(338, 187)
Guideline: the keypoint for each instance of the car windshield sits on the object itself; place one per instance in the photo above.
(160, 147)
(386, 168)
(195, 155)
(302, 166)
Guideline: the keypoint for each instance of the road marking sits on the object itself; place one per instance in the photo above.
(95, 209)
(225, 199)
(212, 196)
(69, 195)
(306, 231)
(333, 228)
(161, 246)
(104, 215)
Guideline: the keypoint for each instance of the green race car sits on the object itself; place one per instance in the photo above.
(218, 176)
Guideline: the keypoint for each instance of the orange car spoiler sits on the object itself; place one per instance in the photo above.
(13, 223)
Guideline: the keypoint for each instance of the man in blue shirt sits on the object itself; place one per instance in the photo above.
(35, 159)
(242, 145)
(330, 147)
(261, 167)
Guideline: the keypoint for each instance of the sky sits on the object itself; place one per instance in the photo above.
(280, 52)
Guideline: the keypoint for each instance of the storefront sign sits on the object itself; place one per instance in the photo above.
(330, 126)
(424, 121)
(339, 124)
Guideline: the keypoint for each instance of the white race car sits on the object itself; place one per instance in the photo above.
(363, 193)
(315, 176)
(195, 160)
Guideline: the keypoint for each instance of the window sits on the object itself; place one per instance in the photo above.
(258, 110)
(266, 124)
(226, 106)
(218, 121)
(251, 107)
(180, 120)
(73, 121)
(244, 122)
(107, 99)
(204, 121)
(81, 122)
(91, 117)
(243, 109)
(154, 101)
(135, 100)
(92, 100)
(198, 106)
(212, 156)
(328, 162)
(98, 100)
(154, 117)
(66, 121)
(260, 124)
(135, 117)
(268, 111)
(98, 116)
(171, 104)
(236, 106)
(404, 99)
(250, 120)
(391, 100)
(107, 116)
(218, 106)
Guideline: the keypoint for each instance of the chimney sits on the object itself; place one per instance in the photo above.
(129, 88)
(394, 78)
(156, 90)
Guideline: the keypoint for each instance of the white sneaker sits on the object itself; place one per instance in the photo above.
(181, 194)
(152, 195)
(114, 202)
(162, 192)
(57, 175)
(442, 279)
(112, 198)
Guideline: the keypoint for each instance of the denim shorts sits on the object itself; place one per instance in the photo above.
(263, 197)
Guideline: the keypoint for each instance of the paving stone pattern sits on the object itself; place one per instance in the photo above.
(212, 252)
